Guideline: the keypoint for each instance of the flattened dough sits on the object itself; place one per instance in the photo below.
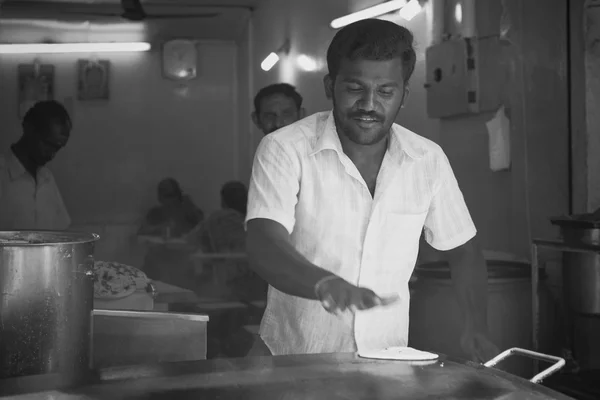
(398, 353)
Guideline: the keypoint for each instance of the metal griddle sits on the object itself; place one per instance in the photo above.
(308, 377)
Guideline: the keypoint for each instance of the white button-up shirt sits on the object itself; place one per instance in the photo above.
(302, 179)
(27, 204)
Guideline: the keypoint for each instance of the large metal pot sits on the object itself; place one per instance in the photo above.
(46, 300)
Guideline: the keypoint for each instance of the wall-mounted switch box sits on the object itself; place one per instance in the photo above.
(465, 76)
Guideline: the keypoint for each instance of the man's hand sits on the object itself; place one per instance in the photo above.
(478, 346)
(337, 295)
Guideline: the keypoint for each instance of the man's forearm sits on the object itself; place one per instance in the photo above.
(469, 275)
(282, 266)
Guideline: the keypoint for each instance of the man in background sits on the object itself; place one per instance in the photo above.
(276, 106)
(29, 197)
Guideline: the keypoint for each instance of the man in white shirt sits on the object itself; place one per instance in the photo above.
(338, 201)
(29, 197)
(276, 106)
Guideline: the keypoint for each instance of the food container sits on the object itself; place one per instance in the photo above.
(45, 308)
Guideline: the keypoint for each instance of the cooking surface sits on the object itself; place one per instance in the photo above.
(330, 376)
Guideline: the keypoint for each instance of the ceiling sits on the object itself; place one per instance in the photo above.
(200, 3)
(228, 23)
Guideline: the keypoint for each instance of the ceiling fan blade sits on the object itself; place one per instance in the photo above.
(132, 6)
(133, 10)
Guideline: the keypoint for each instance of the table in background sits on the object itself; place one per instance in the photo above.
(168, 294)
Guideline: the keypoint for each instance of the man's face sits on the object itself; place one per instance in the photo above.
(367, 96)
(44, 144)
(276, 111)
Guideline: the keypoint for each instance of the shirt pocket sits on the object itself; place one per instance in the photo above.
(402, 234)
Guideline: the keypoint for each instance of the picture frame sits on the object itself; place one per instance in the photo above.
(35, 83)
(93, 79)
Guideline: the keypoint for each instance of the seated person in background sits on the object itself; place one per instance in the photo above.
(176, 216)
(276, 106)
(29, 197)
(223, 232)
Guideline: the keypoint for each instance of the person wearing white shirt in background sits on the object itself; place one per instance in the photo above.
(29, 197)
(338, 201)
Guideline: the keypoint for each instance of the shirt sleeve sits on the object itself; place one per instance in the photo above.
(274, 185)
(448, 223)
(63, 219)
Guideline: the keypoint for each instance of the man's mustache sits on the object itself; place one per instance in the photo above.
(374, 116)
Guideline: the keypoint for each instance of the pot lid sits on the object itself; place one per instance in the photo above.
(41, 238)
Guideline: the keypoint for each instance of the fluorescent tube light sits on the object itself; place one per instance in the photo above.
(46, 48)
(371, 12)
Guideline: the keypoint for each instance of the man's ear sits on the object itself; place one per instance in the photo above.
(328, 85)
(255, 119)
(406, 95)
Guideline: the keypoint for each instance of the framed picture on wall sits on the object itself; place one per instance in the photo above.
(36, 83)
(93, 80)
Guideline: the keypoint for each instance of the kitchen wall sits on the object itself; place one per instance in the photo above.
(245, 84)
(508, 207)
(150, 128)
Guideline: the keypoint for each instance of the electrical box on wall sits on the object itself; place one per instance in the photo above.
(464, 76)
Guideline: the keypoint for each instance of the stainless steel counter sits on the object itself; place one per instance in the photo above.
(306, 377)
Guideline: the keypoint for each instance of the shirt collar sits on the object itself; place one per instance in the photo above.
(400, 141)
(17, 170)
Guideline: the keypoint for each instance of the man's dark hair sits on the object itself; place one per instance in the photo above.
(173, 185)
(277, 88)
(373, 40)
(44, 113)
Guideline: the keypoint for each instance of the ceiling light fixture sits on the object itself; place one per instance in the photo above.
(47, 48)
(273, 57)
(410, 10)
(371, 12)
